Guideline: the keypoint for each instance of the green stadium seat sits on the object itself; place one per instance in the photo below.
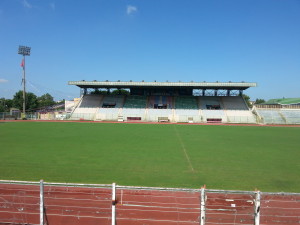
(186, 102)
(135, 102)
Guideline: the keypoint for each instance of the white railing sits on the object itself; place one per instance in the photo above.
(205, 206)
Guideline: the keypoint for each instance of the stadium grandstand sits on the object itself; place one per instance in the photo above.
(187, 102)
(279, 111)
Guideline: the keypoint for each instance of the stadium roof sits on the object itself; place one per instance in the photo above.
(194, 85)
(283, 101)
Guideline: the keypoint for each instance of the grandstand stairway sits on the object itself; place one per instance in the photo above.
(87, 108)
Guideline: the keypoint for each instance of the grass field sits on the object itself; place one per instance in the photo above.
(222, 157)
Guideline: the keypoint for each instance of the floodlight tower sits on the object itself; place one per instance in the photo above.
(25, 51)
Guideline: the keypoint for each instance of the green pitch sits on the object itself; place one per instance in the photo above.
(222, 157)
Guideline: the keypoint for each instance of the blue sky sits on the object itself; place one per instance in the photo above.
(199, 40)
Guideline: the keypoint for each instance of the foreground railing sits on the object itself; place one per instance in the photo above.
(27, 202)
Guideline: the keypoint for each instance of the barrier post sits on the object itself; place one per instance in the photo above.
(202, 208)
(113, 205)
(257, 208)
(41, 202)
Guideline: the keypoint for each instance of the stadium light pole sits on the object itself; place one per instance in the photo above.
(25, 51)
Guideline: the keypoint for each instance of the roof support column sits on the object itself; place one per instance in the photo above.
(83, 91)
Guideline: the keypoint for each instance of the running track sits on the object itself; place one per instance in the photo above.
(70, 205)
(133, 122)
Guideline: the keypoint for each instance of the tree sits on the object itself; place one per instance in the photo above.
(114, 92)
(259, 101)
(99, 92)
(45, 100)
(31, 102)
(247, 99)
(5, 104)
(2, 105)
(8, 104)
(120, 92)
(61, 101)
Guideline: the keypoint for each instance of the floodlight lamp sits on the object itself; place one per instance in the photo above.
(24, 50)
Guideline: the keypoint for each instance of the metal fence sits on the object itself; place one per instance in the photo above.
(9, 116)
(23, 202)
(35, 116)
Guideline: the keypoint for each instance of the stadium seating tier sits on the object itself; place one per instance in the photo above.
(164, 108)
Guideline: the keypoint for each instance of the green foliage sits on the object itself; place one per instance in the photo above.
(247, 99)
(31, 101)
(99, 92)
(5, 104)
(61, 101)
(45, 100)
(2, 105)
(9, 103)
(259, 101)
(153, 155)
(120, 92)
(114, 92)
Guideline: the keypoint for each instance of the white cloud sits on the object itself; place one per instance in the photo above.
(27, 4)
(131, 9)
(3, 80)
(52, 5)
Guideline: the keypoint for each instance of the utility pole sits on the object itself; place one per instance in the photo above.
(25, 51)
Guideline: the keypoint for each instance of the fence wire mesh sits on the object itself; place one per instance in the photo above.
(92, 204)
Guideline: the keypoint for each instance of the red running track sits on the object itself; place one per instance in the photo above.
(143, 122)
(140, 207)
(69, 205)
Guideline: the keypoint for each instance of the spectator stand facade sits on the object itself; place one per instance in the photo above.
(279, 111)
(192, 102)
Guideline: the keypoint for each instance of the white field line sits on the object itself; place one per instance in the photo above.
(96, 217)
(165, 196)
(158, 221)
(49, 206)
(57, 198)
(55, 214)
(132, 211)
(161, 207)
(222, 223)
(184, 149)
(164, 204)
